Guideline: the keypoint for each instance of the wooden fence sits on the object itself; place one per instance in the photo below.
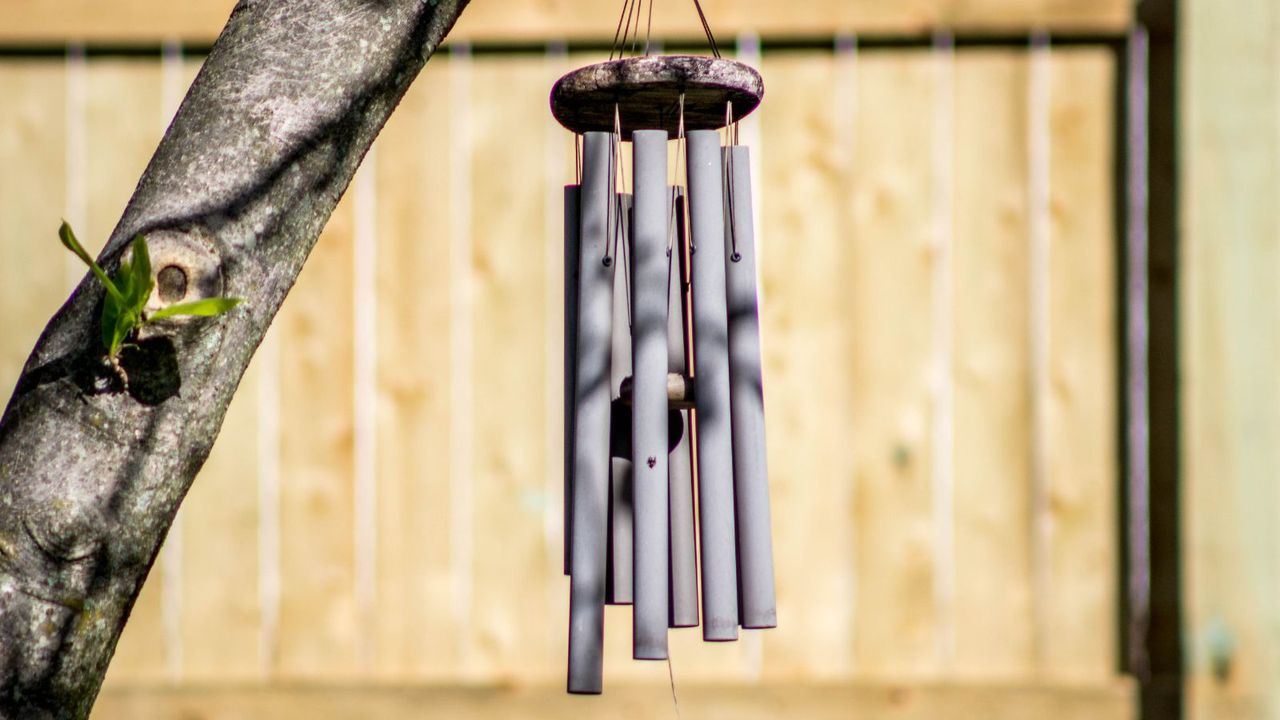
(383, 504)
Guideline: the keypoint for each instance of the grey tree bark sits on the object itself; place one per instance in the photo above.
(266, 141)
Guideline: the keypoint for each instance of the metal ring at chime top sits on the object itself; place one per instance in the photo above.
(629, 477)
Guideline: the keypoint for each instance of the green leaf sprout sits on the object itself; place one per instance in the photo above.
(123, 311)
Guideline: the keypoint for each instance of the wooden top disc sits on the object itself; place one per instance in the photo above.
(646, 94)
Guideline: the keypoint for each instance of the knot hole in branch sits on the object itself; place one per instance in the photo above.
(171, 283)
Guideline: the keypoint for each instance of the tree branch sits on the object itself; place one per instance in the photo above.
(266, 141)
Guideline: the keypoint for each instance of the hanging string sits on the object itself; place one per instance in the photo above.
(648, 32)
(671, 675)
(611, 208)
(706, 28)
(731, 129)
(625, 269)
(615, 205)
(623, 29)
(577, 158)
(628, 29)
(730, 124)
(635, 37)
(672, 229)
(623, 223)
(673, 226)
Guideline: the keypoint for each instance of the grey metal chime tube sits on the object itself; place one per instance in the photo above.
(619, 585)
(684, 557)
(757, 606)
(572, 196)
(591, 421)
(711, 372)
(649, 447)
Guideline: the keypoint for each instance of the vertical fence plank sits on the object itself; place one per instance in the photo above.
(317, 630)
(942, 393)
(891, 266)
(120, 139)
(1083, 469)
(806, 372)
(32, 188)
(1230, 340)
(220, 616)
(749, 51)
(169, 563)
(461, 352)
(560, 158)
(413, 634)
(507, 158)
(992, 460)
(122, 136)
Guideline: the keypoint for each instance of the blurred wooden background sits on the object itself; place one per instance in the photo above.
(378, 528)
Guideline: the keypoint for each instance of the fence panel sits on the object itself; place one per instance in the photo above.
(937, 236)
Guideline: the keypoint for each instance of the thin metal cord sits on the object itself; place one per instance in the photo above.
(671, 675)
(628, 30)
(617, 33)
(623, 29)
(577, 158)
(611, 207)
(635, 37)
(648, 33)
(625, 269)
(624, 224)
(731, 129)
(630, 15)
(730, 123)
(680, 143)
(706, 27)
(733, 225)
(617, 226)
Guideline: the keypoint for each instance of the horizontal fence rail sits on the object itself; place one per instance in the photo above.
(199, 21)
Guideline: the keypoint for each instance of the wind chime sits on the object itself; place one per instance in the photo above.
(662, 354)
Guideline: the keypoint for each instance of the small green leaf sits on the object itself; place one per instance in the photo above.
(125, 325)
(69, 241)
(130, 289)
(110, 315)
(124, 281)
(208, 307)
(141, 284)
(117, 324)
